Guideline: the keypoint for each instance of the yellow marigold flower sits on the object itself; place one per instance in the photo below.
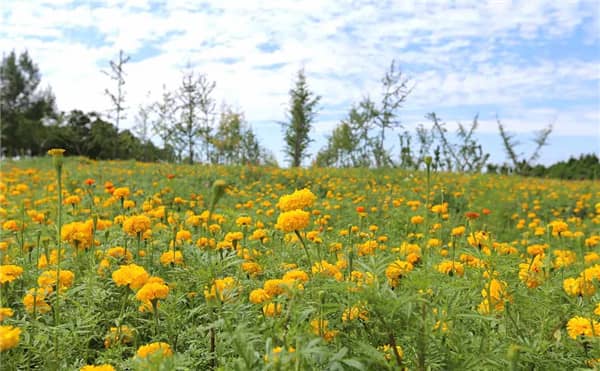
(259, 235)
(397, 270)
(119, 253)
(5, 312)
(152, 291)
(136, 224)
(243, 221)
(579, 287)
(122, 334)
(558, 227)
(9, 273)
(171, 257)
(154, 348)
(183, 235)
(417, 219)
(581, 326)
(78, 234)
(325, 268)
(532, 273)
(72, 200)
(276, 353)
(56, 152)
(355, 312)
(297, 200)
(121, 192)
(451, 268)
(271, 309)
(251, 268)
(259, 296)
(11, 225)
(274, 287)
(104, 367)
(132, 275)
(537, 249)
(388, 351)
(223, 288)
(496, 294)
(294, 220)
(320, 328)
(48, 279)
(458, 231)
(296, 274)
(564, 258)
(478, 239)
(36, 298)
(9, 337)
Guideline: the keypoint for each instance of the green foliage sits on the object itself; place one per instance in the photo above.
(23, 106)
(301, 115)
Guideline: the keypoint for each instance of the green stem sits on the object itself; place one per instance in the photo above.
(58, 255)
(305, 249)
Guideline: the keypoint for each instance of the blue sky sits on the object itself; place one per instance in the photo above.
(530, 63)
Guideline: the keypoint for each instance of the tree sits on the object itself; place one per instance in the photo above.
(395, 92)
(196, 108)
(23, 106)
(117, 98)
(523, 165)
(301, 115)
(228, 137)
(163, 120)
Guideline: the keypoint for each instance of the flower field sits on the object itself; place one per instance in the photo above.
(124, 265)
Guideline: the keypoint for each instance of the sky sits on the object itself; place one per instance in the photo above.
(528, 63)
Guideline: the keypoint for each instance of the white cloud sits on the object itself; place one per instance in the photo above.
(461, 55)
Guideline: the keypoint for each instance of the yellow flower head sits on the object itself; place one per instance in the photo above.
(5, 312)
(97, 368)
(154, 348)
(9, 337)
(136, 224)
(132, 275)
(294, 220)
(9, 273)
(171, 257)
(397, 270)
(78, 234)
(36, 299)
(271, 309)
(297, 200)
(259, 296)
(451, 268)
(582, 326)
(56, 152)
(152, 291)
(48, 279)
(224, 288)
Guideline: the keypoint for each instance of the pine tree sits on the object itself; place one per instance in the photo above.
(301, 115)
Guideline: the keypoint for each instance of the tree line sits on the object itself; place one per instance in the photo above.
(191, 128)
